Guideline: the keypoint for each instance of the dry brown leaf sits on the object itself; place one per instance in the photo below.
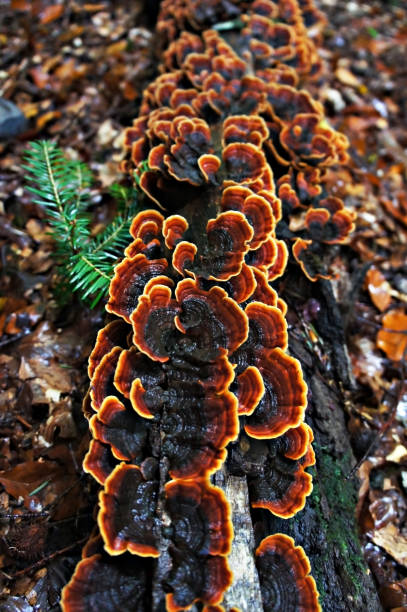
(90, 7)
(346, 77)
(27, 476)
(116, 48)
(398, 454)
(393, 542)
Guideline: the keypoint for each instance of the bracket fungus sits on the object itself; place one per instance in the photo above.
(284, 573)
(229, 147)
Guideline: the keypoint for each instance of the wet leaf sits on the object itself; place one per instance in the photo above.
(379, 288)
(392, 338)
(50, 13)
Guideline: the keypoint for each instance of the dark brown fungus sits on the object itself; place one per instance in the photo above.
(87, 405)
(200, 516)
(250, 390)
(244, 162)
(241, 286)
(287, 102)
(285, 397)
(130, 278)
(289, 198)
(195, 578)
(127, 519)
(196, 434)
(283, 488)
(183, 256)
(245, 128)
(138, 247)
(173, 230)
(137, 398)
(264, 256)
(268, 328)
(307, 138)
(215, 376)
(94, 545)
(153, 322)
(134, 365)
(102, 584)
(331, 226)
(120, 428)
(228, 242)
(102, 381)
(279, 264)
(263, 291)
(209, 165)
(114, 334)
(156, 157)
(224, 131)
(99, 461)
(298, 440)
(202, 536)
(255, 208)
(211, 318)
(308, 256)
(284, 576)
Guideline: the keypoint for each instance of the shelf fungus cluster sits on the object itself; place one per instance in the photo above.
(193, 371)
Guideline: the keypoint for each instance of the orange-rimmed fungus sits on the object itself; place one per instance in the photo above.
(284, 575)
(126, 517)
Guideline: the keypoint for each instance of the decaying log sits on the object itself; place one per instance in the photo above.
(178, 369)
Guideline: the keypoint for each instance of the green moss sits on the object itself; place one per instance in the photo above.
(339, 527)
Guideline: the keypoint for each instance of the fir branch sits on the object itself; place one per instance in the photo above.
(61, 187)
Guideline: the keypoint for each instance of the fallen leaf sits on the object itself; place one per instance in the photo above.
(398, 454)
(39, 77)
(346, 77)
(26, 477)
(379, 289)
(94, 7)
(47, 117)
(392, 338)
(116, 48)
(20, 5)
(50, 13)
(393, 542)
(129, 92)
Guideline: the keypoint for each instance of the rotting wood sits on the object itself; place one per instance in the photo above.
(245, 591)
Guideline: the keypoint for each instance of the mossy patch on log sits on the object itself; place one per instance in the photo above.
(336, 519)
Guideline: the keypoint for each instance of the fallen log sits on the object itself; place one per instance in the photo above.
(227, 149)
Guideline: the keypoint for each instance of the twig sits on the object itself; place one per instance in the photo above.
(385, 426)
(45, 560)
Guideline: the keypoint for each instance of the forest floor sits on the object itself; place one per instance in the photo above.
(76, 71)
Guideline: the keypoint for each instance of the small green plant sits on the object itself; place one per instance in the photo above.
(62, 187)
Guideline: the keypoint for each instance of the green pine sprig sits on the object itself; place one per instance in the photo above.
(62, 187)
